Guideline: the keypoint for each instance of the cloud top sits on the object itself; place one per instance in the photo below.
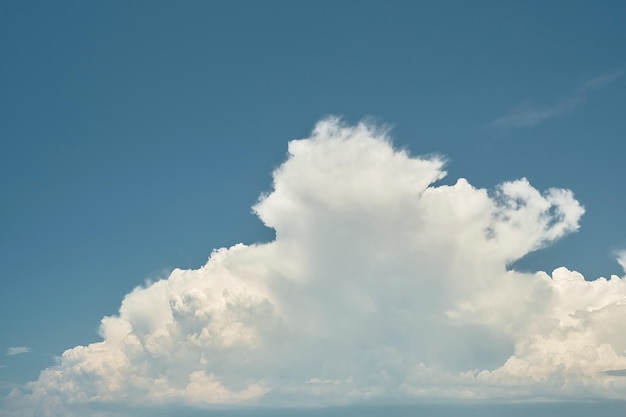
(379, 286)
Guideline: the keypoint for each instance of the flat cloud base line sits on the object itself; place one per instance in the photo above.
(379, 286)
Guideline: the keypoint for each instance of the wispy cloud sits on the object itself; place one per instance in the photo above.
(599, 82)
(528, 114)
(621, 259)
(18, 350)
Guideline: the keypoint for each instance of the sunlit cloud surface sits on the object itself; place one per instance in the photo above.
(381, 285)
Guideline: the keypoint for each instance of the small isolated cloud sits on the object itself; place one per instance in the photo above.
(528, 114)
(379, 286)
(621, 259)
(19, 350)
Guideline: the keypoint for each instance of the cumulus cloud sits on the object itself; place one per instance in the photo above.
(19, 350)
(529, 114)
(380, 286)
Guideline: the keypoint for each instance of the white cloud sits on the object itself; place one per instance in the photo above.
(621, 259)
(528, 114)
(19, 350)
(378, 286)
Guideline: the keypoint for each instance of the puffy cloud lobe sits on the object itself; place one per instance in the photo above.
(378, 286)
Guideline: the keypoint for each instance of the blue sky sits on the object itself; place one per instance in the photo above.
(135, 137)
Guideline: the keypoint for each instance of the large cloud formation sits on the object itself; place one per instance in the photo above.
(379, 286)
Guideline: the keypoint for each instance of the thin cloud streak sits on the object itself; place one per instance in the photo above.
(529, 115)
(19, 350)
(600, 82)
(621, 259)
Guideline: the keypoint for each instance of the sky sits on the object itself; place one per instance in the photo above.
(294, 204)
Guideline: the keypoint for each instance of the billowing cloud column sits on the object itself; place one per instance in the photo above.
(379, 286)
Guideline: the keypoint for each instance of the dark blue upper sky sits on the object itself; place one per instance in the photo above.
(135, 136)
